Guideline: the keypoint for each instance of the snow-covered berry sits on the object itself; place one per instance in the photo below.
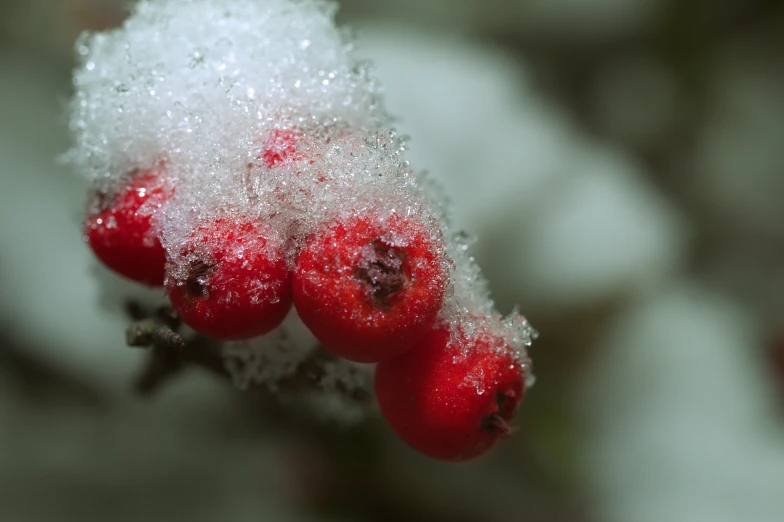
(370, 287)
(231, 281)
(124, 234)
(454, 394)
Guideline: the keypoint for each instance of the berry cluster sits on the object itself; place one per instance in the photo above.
(254, 207)
(370, 287)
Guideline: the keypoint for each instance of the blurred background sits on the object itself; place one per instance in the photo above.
(621, 163)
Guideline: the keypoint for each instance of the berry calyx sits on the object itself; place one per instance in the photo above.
(453, 395)
(123, 235)
(232, 281)
(369, 288)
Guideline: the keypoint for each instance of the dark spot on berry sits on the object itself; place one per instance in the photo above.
(383, 272)
(497, 424)
(498, 420)
(194, 285)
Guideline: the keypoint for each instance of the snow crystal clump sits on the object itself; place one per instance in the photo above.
(258, 110)
(197, 82)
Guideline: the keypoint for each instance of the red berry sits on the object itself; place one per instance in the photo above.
(280, 148)
(452, 396)
(123, 235)
(236, 283)
(369, 288)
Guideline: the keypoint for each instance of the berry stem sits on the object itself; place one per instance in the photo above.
(150, 332)
(170, 353)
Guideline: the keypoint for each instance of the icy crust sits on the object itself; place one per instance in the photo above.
(255, 110)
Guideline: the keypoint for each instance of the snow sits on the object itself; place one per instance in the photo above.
(677, 375)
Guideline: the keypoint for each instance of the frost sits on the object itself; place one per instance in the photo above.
(284, 359)
(258, 109)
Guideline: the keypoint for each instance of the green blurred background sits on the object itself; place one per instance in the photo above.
(622, 165)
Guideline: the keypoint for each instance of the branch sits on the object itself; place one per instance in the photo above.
(170, 353)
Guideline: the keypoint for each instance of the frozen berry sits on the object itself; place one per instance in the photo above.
(232, 281)
(369, 288)
(452, 396)
(279, 148)
(123, 235)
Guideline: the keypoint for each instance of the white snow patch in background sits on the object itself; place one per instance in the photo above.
(602, 231)
(678, 376)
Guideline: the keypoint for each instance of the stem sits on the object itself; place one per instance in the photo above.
(170, 353)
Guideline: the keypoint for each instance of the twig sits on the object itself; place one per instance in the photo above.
(170, 353)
